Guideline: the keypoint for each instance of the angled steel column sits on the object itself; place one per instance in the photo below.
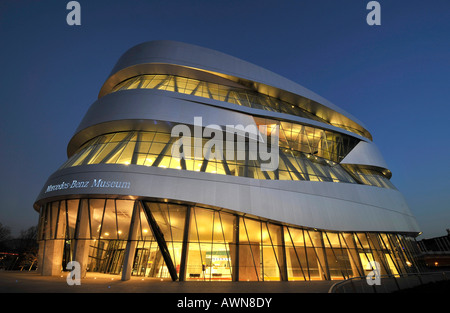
(159, 236)
(185, 248)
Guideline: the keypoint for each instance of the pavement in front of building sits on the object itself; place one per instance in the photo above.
(108, 293)
(32, 282)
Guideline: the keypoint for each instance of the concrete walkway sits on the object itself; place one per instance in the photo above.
(32, 282)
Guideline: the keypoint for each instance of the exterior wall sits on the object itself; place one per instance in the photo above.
(366, 218)
(365, 153)
(109, 114)
(183, 241)
(50, 257)
(333, 206)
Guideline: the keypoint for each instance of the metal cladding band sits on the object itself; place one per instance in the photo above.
(354, 205)
(365, 153)
(332, 206)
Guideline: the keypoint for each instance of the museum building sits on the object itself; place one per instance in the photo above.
(134, 198)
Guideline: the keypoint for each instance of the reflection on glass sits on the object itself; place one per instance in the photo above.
(236, 95)
(130, 148)
(265, 250)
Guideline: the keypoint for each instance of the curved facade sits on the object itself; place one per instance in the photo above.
(195, 165)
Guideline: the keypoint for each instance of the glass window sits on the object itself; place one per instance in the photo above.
(337, 257)
(155, 149)
(272, 251)
(144, 230)
(240, 96)
(127, 153)
(109, 224)
(250, 250)
(61, 226)
(44, 222)
(124, 211)
(296, 254)
(96, 210)
(211, 248)
(72, 212)
(210, 245)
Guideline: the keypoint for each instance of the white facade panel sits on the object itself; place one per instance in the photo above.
(329, 206)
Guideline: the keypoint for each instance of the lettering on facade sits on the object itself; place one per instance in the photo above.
(95, 183)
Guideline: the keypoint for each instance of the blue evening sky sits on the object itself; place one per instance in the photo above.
(395, 78)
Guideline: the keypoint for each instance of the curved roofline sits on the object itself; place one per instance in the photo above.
(192, 58)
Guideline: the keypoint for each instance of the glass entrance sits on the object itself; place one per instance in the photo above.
(106, 256)
(114, 261)
(148, 261)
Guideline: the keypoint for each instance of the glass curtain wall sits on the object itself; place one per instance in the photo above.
(303, 155)
(239, 96)
(368, 176)
(212, 245)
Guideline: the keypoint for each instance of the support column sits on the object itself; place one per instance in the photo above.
(282, 256)
(182, 274)
(40, 258)
(130, 250)
(51, 256)
(82, 237)
(51, 248)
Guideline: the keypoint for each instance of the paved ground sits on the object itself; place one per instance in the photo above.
(29, 290)
(31, 282)
(105, 292)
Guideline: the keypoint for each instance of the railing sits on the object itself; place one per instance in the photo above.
(388, 283)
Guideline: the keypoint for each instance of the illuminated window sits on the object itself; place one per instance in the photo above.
(305, 153)
(239, 96)
(265, 251)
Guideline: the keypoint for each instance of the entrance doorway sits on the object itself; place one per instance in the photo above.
(106, 256)
(148, 261)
